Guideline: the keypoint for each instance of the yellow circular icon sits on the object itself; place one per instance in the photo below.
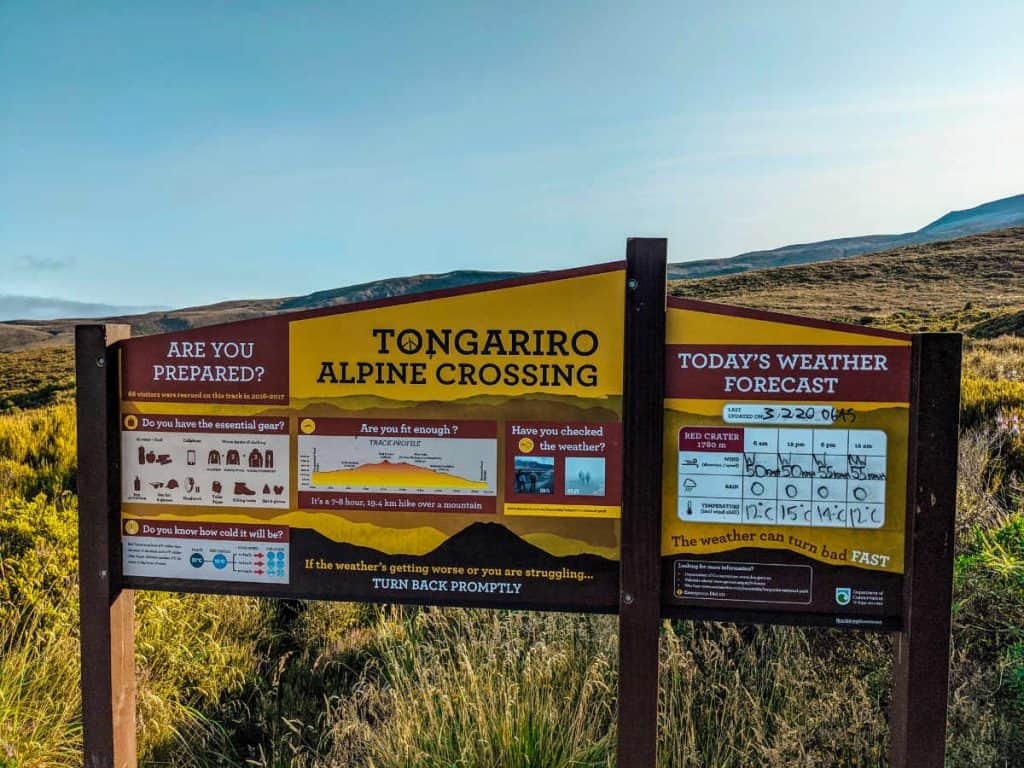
(130, 422)
(131, 527)
(308, 426)
(525, 445)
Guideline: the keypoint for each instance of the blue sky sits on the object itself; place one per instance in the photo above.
(180, 153)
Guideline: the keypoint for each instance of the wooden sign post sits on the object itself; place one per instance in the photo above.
(569, 441)
(106, 611)
(639, 595)
(917, 718)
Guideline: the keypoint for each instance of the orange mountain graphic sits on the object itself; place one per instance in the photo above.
(386, 474)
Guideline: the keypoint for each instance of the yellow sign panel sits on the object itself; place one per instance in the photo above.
(463, 446)
(785, 475)
(537, 337)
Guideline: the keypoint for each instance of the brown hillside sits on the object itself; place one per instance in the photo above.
(952, 285)
(24, 334)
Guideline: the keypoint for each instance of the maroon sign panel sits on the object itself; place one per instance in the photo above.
(787, 373)
(245, 362)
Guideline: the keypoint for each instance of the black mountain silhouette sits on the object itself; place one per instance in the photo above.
(494, 544)
(484, 545)
(477, 544)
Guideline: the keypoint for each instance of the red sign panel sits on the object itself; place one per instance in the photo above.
(788, 373)
(244, 362)
(713, 439)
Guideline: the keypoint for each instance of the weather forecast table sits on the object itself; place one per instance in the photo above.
(781, 476)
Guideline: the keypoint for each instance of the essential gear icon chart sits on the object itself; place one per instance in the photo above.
(242, 468)
(782, 476)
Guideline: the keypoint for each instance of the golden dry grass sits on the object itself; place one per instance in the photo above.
(953, 285)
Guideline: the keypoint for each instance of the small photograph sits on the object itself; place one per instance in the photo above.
(584, 477)
(534, 474)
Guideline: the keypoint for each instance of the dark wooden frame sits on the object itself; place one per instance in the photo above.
(917, 718)
(106, 611)
(921, 668)
(640, 548)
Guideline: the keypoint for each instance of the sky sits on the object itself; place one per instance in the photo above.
(175, 154)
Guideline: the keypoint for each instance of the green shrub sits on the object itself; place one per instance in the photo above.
(986, 702)
(36, 377)
(37, 452)
(982, 399)
(193, 652)
(38, 558)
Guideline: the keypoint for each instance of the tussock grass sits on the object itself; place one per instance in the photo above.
(999, 359)
(479, 688)
(40, 703)
(733, 697)
(193, 655)
(447, 687)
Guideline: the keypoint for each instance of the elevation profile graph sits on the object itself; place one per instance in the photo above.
(420, 459)
(401, 476)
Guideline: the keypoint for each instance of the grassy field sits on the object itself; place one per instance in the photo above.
(247, 682)
(36, 377)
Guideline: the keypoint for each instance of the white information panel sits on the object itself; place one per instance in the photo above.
(782, 476)
(230, 462)
(173, 549)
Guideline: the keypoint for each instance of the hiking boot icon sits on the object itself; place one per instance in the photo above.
(241, 489)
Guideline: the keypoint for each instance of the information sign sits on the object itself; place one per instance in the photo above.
(458, 447)
(786, 454)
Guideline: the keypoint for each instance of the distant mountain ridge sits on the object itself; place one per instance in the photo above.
(23, 334)
(995, 215)
(385, 289)
(988, 217)
(999, 214)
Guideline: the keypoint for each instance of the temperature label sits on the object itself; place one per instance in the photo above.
(782, 476)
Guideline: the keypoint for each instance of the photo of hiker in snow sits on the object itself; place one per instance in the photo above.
(584, 476)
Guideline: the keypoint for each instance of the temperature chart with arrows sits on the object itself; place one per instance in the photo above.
(389, 464)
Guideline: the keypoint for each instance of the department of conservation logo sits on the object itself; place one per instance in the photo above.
(843, 595)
